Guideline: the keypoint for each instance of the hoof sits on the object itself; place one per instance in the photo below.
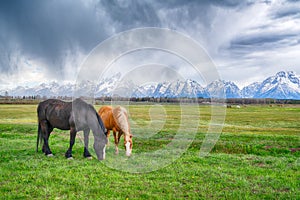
(89, 158)
(70, 158)
(50, 155)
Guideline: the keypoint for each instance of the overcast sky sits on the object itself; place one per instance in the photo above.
(42, 41)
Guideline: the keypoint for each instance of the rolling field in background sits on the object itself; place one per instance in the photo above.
(256, 157)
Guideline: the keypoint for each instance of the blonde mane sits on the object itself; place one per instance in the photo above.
(121, 118)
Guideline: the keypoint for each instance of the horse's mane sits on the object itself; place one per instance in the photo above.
(121, 117)
(101, 123)
(82, 103)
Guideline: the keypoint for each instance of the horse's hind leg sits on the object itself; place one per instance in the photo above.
(72, 141)
(86, 152)
(46, 130)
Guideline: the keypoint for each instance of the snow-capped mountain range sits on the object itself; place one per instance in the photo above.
(283, 85)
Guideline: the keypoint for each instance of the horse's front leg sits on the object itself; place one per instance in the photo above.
(86, 152)
(107, 136)
(72, 141)
(116, 139)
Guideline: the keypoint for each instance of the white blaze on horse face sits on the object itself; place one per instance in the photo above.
(128, 150)
(104, 148)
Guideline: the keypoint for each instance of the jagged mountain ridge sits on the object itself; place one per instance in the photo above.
(188, 88)
(283, 85)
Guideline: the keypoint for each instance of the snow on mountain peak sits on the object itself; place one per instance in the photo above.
(281, 74)
(219, 88)
(250, 90)
(283, 85)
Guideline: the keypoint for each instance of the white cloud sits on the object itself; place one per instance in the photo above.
(261, 47)
(29, 73)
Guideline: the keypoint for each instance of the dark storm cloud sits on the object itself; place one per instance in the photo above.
(260, 41)
(46, 29)
(268, 38)
(130, 14)
(51, 30)
(203, 3)
(290, 9)
(288, 13)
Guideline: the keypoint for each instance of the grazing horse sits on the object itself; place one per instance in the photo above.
(116, 119)
(74, 116)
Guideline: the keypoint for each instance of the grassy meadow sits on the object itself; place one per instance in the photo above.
(256, 157)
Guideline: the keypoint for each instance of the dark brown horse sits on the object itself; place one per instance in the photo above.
(74, 116)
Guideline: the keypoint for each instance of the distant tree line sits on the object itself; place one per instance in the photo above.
(102, 100)
(234, 101)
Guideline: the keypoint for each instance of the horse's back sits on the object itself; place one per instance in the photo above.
(43, 106)
(106, 115)
(55, 112)
(85, 115)
(114, 118)
(105, 110)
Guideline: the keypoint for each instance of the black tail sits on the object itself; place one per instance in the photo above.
(39, 137)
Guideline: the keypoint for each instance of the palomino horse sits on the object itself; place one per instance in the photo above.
(74, 116)
(116, 119)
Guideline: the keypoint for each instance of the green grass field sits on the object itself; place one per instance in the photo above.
(256, 157)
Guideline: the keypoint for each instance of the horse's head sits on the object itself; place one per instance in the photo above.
(100, 148)
(128, 143)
